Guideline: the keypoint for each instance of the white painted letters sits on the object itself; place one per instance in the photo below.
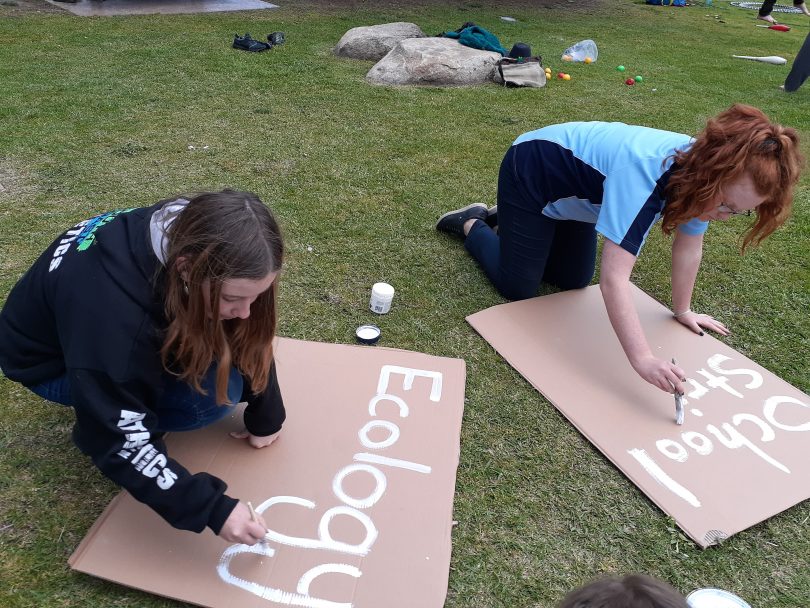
(726, 434)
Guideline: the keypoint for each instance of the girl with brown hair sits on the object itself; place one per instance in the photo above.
(631, 591)
(156, 319)
(561, 185)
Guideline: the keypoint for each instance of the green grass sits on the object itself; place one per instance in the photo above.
(100, 113)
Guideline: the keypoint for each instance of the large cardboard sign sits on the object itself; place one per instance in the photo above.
(357, 492)
(742, 454)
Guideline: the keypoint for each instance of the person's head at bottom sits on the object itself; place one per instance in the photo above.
(631, 591)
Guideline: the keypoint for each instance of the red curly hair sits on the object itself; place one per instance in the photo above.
(740, 140)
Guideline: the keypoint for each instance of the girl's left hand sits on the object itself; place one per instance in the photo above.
(695, 321)
(254, 440)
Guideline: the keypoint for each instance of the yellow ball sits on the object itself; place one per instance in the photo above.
(566, 76)
(588, 60)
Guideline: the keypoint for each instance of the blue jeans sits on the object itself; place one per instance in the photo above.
(530, 247)
(180, 408)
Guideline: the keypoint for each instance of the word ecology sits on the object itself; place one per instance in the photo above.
(728, 435)
(353, 506)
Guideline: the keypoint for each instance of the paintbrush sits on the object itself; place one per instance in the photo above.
(253, 517)
(678, 402)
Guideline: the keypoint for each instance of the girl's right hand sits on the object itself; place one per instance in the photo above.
(661, 374)
(240, 527)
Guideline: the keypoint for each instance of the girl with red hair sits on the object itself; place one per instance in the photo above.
(561, 185)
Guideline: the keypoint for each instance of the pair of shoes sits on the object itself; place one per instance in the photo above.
(246, 43)
(453, 222)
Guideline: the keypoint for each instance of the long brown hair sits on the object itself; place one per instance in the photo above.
(216, 237)
(737, 141)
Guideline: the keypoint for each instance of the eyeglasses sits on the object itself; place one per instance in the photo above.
(723, 208)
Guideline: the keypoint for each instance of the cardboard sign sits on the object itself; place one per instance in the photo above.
(357, 492)
(742, 454)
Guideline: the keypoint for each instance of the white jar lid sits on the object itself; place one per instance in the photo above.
(368, 334)
(383, 289)
(715, 598)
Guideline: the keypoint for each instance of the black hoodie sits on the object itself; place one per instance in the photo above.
(91, 306)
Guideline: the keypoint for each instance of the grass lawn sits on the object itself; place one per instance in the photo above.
(102, 113)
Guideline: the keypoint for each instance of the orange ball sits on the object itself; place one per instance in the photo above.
(588, 60)
(566, 76)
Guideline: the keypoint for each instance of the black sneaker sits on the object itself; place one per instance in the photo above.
(246, 43)
(492, 217)
(275, 38)
(453, 222)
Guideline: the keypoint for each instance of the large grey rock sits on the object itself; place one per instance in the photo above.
(373, 42)
(435, 62)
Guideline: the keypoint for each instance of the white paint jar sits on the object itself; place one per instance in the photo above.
(381, 296)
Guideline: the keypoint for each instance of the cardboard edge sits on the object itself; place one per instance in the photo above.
(75, 559)
(281, 339)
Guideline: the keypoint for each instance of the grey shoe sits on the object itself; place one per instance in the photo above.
(453, 222)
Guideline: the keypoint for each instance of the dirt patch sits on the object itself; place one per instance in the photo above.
(12, 8)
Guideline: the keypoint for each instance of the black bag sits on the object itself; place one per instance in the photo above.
(522, 72)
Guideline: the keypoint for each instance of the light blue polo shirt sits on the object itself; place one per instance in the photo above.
(607, 173)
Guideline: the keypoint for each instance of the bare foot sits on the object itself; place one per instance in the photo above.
(767, 18)
(803, 8)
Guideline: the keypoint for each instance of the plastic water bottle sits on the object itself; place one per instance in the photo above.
(581, 50)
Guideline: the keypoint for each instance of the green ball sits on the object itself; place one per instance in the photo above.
(620, 68)
(639, 79)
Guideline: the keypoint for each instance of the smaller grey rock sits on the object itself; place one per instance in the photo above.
(374, 41)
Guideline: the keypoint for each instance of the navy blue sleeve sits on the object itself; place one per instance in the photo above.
(265, 412)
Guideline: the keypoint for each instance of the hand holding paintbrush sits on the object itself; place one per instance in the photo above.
(243, 525)
(256, 519)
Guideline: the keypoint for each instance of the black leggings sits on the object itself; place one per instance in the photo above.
(767, 6)
(530, 247)
(801, 68)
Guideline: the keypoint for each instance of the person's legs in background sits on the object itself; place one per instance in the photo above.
(767, 8)
(765, 11)
(800, 70)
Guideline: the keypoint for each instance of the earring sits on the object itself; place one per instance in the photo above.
(185, 287)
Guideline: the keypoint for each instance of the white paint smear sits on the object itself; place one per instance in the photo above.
(657, 473)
